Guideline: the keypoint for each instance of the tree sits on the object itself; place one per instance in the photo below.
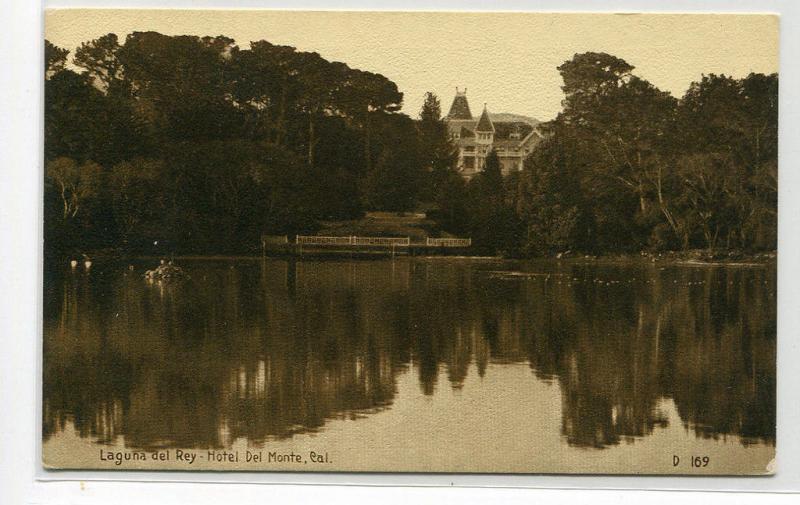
(394, 180)
(180, 85)
(75, 183)
(437, 151)
(83, 123)
(338, 170)
(100, 59)
(138, 198)
(494, 224)
(264, 88)
(452, 203)
(587, 78)
(730, 126)
(71, 128)
(431, 111)
(55, 59)
(222, 194)
(491, 179)
(317, 83)
(711, 189)
(624, 122)
(366, 98)
(551, 204)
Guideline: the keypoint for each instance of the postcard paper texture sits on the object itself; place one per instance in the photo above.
(410, 242)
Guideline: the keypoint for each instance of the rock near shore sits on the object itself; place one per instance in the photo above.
(166, 272)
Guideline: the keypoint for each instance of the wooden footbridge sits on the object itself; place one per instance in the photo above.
(344, 245)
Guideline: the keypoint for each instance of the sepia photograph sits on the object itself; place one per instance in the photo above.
(428, 242)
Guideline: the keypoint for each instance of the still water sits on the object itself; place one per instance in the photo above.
(415, 364)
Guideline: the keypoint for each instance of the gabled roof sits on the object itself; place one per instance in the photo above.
(455, 125)
(460, 107)
(485, 122)
(505, 130)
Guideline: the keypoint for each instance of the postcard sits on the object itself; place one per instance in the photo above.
(332, 241)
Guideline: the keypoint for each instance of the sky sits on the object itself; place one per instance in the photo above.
(507, 61)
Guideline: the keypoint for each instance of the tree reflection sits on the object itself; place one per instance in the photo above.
(268, 349)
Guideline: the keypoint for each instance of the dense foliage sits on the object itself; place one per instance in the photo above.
(627, 167)
(164, 144)
(194, 144)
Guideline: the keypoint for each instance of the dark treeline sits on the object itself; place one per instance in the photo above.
(188, 144)
(202, 146)
(626, 167)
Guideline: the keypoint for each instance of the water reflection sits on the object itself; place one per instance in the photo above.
(266, 349)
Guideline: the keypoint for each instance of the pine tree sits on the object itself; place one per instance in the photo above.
(431, 111)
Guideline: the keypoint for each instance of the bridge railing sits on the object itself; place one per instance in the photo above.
(448, 242)
(322, 240)
(353, 240)
(383, 241)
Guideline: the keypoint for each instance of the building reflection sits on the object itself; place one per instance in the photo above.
(269, 349)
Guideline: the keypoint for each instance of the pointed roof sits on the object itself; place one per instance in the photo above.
(460, 108)
(485, 122)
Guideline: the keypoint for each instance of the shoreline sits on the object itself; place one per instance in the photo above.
(685, 258)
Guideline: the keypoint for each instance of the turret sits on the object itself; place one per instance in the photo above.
(484, 130)
(460, 107)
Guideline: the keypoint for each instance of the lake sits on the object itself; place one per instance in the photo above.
(413, 364)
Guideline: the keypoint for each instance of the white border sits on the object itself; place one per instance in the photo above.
(20, 290)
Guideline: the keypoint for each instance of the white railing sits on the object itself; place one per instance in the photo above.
(449, 242)
(379, 241)
(320, 240)
(382, 241)
(353, 240)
